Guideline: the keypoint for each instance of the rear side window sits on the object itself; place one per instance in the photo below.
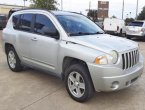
(15, 20)
(25, 22)
(43, 25)
(22, 22)
(139, 24)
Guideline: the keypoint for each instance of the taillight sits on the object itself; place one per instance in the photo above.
(117, 28)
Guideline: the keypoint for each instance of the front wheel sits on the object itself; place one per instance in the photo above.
(78, 83)
(13, 60)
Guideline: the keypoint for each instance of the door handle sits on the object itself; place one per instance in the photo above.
(34, 39)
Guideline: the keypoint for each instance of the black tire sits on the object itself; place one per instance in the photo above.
(17, 66)
(128, 37)
(143, 39)
(120, 34)
(83, 71)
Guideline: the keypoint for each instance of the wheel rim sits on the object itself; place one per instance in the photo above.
(12, 59)
(76, 84)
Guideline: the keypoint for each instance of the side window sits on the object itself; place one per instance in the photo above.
(25, 22)
(15, 20)
(44, 26)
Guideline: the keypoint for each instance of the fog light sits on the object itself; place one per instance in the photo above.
(115, 85)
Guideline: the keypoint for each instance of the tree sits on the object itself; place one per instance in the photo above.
(92, 14)
(46, 4)
(114, 16)
(142, 14)
(128, 20)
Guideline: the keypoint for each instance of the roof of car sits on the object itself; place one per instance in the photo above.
(55, 12)
(139, 21)
(64, 13)
(2, 15)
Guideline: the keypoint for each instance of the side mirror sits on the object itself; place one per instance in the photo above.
(52, 32)
(55, 35)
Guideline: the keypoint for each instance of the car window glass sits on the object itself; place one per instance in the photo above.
(77, 25)
(15, 20)
(138, 24)
(25, 22)
(44, 26)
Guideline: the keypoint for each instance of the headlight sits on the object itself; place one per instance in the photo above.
(110, 58)
(114, 54)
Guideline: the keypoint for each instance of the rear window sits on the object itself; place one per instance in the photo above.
(139, 24)
(2, 17)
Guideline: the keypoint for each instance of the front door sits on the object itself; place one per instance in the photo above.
(44, 48)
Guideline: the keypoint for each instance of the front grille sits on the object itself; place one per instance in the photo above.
(130, 59)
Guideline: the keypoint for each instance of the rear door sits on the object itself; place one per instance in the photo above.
(110, 25)
(24, 32)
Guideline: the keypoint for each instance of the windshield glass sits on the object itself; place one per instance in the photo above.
(139, 24)
(77, 25)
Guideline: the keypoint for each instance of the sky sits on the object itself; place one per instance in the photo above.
(115, 6)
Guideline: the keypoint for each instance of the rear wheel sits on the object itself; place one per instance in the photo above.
(121, 34)
(78, 83)
(128, 37)
(13, 60)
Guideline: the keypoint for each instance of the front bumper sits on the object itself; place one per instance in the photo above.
(108, 78)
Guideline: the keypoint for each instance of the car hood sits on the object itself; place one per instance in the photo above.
(104, 42)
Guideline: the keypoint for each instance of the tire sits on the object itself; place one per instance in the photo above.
(128, 37)
(13, 60)
(120, 34)
(143, 39)
(78, 83)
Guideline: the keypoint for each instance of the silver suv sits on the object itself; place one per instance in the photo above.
(72, 47)
(136, 29)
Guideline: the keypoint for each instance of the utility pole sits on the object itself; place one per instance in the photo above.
(137, 9)
(123, 10)
(89, 6)
(24, 2)
(61, 5)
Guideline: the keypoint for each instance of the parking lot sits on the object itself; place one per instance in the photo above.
(36, 90)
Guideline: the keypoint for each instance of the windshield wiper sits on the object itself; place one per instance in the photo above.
(83, 33)
(98, 33)
(78, 34)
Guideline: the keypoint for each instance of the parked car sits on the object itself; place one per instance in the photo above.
(136, 29)
(3, 21)
(71, 46)
(114, 26)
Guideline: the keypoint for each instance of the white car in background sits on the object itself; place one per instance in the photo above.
(136, 29)
(114, 26)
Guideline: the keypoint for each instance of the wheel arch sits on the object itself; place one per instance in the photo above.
(68, 61)
(6, 46)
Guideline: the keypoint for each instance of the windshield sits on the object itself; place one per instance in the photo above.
(77, 25)
(139, 24)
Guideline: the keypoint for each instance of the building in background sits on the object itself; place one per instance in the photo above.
(4, 8)
(103, 9)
